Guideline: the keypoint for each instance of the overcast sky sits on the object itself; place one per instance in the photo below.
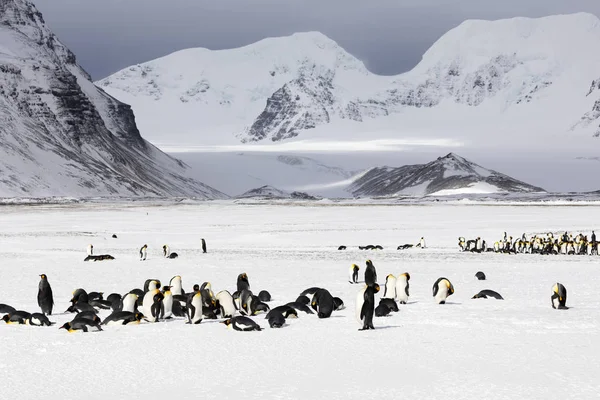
(389, 36)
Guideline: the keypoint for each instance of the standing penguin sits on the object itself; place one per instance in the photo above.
(402, 292)
(353, 273)
(148, 305)
(365, 306)
(194, 308)
(559, 297)
(370, 274)
(44, 297)
(421, 243)
(203, 246)
(442, 288)
(90, 250)
(167, 302)
(129, 303)
(176, 287)
(166, 251)
(225, 303)
(143, 252)
(390, 287)
(242, 282)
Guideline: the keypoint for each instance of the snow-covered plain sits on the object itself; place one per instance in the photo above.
(466, 349)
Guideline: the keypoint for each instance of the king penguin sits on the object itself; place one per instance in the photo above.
(402, 285)
(242, 323)
(442, 288)
(203, 246)
(167, 302)
(90, 250)
(370, 274)
(129, 302)
(242, 282)
(143, 252)
(559, 297)
(149, 308)
(390, 287)
(225, 302)
(365, 306)
(354, 273)
(44, 297)
(176, 286)
(195, 309)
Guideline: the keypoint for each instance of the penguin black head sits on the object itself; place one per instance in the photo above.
(196, 288)
(43, 276)
(67, 326)
(166, 288)
(407, 276)
(376, 287)
(227, 322)
(139, 316)
(6, 318)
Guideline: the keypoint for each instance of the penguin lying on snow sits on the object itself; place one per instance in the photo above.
(301, 306)
(16, 317)
(405, 246)
(342, 248)
(276, 320)
(88, 315)
(559, 297)
(81, 324)
(286, 311)
(480, 276)
(385, 307)
(6, 309)
(37, 319)
(102, 257)
(484, 294)
(264, 296)
(242, 323)
(123, 318)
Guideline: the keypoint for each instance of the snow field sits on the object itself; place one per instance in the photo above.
(466, 349)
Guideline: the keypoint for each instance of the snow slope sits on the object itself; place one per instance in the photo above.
(516, 82)
(448, 175)
(60, 135)
(512, 349)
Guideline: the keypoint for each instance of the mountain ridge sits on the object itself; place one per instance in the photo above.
(451, 174)
(63, 136)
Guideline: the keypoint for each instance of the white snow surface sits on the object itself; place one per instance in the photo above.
(519, 348)
(474, 188)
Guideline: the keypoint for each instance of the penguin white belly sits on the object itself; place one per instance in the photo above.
(555, 302)
(351, 274)
(390, 288)
(147, 305)
(226, 302)
(442, 293)
(197, 304)
(129, 302)
(360, 300)
(422, 243)
(401, 290)
(176, 288)
(168, 305)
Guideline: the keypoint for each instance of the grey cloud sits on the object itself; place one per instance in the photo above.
(389, 35)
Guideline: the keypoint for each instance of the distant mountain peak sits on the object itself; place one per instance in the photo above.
(449, 174)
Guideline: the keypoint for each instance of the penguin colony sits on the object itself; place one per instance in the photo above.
(546, 244)
(155, 302)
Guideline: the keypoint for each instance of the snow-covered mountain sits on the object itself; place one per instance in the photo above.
(535, 76)
(60, 135)
(447, 175)
(270, 192)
